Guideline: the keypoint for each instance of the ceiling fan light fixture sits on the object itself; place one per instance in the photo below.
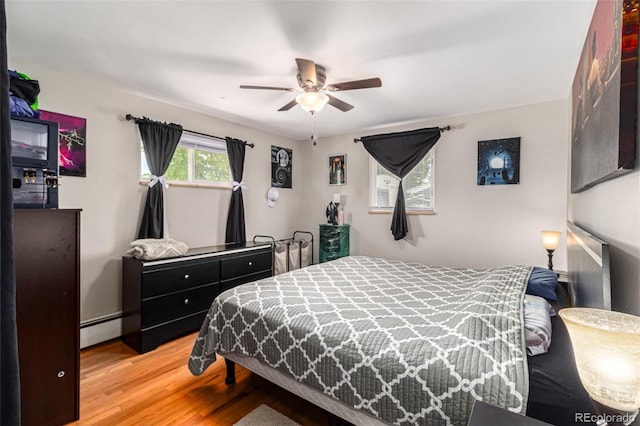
(312, 101)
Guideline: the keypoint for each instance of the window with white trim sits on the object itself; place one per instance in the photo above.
(198, 159)
(418, 187)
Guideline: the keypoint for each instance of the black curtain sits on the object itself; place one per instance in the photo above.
(9, 368)
(160, 141)
(235, 219)
(399, 153)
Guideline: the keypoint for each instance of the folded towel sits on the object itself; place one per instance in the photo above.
(156, 248)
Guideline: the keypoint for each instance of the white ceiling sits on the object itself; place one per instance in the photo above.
(435, 58)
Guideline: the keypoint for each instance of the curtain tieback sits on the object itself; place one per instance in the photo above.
(238, 185)
(155, 179)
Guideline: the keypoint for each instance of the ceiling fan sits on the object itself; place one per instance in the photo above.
(311, 79)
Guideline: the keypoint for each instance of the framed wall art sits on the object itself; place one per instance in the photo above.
(604, 97)
(499, 162)
(281, 167)
(338, 169)
(72, 139)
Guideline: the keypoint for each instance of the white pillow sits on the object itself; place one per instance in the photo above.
(537, 324)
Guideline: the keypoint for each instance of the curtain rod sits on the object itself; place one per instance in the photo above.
(130, 117)
(442, 129)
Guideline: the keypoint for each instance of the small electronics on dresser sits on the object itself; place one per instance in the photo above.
(34, 159)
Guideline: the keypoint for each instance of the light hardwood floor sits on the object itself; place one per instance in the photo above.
(120, 387)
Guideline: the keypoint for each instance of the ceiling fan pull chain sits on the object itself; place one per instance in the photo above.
(313, 132)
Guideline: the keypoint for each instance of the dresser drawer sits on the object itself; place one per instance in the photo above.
(331, 244)
(245, 264)
(226, 285)
(175, 305)
(149, 339)
(171, 277)
(333, 255)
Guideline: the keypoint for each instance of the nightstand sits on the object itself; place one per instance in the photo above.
(562, 277)
(563, 280)
(334, 242)
(483, 414)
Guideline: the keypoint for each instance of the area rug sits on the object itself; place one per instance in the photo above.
(265, 416)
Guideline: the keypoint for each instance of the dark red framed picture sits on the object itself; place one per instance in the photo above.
(605, 97)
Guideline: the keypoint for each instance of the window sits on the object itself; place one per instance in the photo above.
(418, 187)
(198, 159)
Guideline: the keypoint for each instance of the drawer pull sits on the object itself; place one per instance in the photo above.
(61, 374)
(186, 276)
(186, 301)
(250, 263)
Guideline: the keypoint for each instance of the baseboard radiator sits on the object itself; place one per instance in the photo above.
(101, 329)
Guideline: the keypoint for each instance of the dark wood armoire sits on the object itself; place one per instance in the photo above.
(47, 262)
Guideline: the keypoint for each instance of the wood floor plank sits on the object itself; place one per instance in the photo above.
(120, 387)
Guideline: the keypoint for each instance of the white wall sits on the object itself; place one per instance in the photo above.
(475, 226)
(111, 197)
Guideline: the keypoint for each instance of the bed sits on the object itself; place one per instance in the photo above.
(379, 341)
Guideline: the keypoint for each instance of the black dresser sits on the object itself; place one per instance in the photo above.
(47, 265)
(165, 298)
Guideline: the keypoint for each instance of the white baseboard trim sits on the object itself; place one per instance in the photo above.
(101, 332)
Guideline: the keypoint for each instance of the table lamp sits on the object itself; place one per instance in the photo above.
(550, 241)
(606, 347)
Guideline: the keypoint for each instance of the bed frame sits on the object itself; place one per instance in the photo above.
(589, 274)
(314, 396)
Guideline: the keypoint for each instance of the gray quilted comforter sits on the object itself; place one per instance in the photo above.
(404, 342)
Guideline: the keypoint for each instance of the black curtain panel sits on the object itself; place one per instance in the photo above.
(399, 153)
(235, 219)
(160, 141)
(9, 368)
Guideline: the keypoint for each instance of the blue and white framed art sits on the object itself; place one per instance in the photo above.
(499, 162)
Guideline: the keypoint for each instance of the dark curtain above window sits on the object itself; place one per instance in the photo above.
(235, 219)
(9, 368)
(399, 153)
(160, 141)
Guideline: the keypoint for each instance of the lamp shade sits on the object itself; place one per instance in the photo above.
(551, 239)
(312, 101)
(606, 346)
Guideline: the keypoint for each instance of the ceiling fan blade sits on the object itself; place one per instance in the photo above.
(341, 105)
(357, 84)
(307, 71)
(286, 89)
(288, 106)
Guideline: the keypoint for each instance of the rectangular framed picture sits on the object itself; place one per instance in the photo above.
(338, 169)
(72, 139)
(499, 162)
(281, 167)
